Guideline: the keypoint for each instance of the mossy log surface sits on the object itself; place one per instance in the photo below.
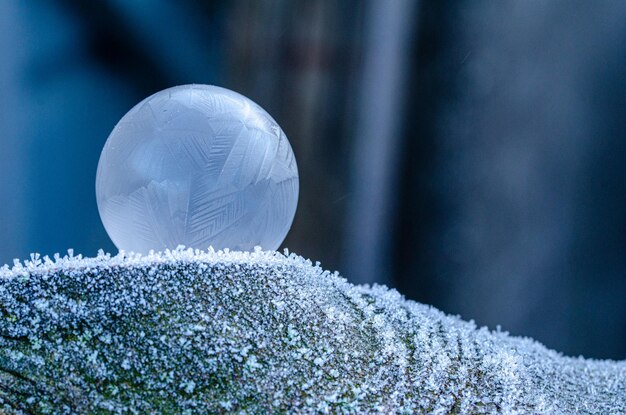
(262, 332)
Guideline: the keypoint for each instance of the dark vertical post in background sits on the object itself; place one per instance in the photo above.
(378, 140)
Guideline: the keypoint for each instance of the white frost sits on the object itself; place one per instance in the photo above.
(263, 332)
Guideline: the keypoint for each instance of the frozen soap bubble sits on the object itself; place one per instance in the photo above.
(199, 166)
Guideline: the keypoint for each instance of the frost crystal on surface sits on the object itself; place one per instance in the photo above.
(229, 332)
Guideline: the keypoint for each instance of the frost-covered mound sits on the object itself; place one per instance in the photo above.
(197, 332)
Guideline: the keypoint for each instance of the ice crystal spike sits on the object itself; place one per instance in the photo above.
(198, 166)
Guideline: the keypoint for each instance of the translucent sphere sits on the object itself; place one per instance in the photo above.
(199, 166)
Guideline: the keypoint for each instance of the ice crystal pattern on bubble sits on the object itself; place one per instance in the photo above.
(260, 333)
(199, 166)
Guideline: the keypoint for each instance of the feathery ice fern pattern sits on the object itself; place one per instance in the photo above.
(229, 332)
(197, 165)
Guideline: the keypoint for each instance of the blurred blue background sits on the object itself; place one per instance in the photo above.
(471, 154)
